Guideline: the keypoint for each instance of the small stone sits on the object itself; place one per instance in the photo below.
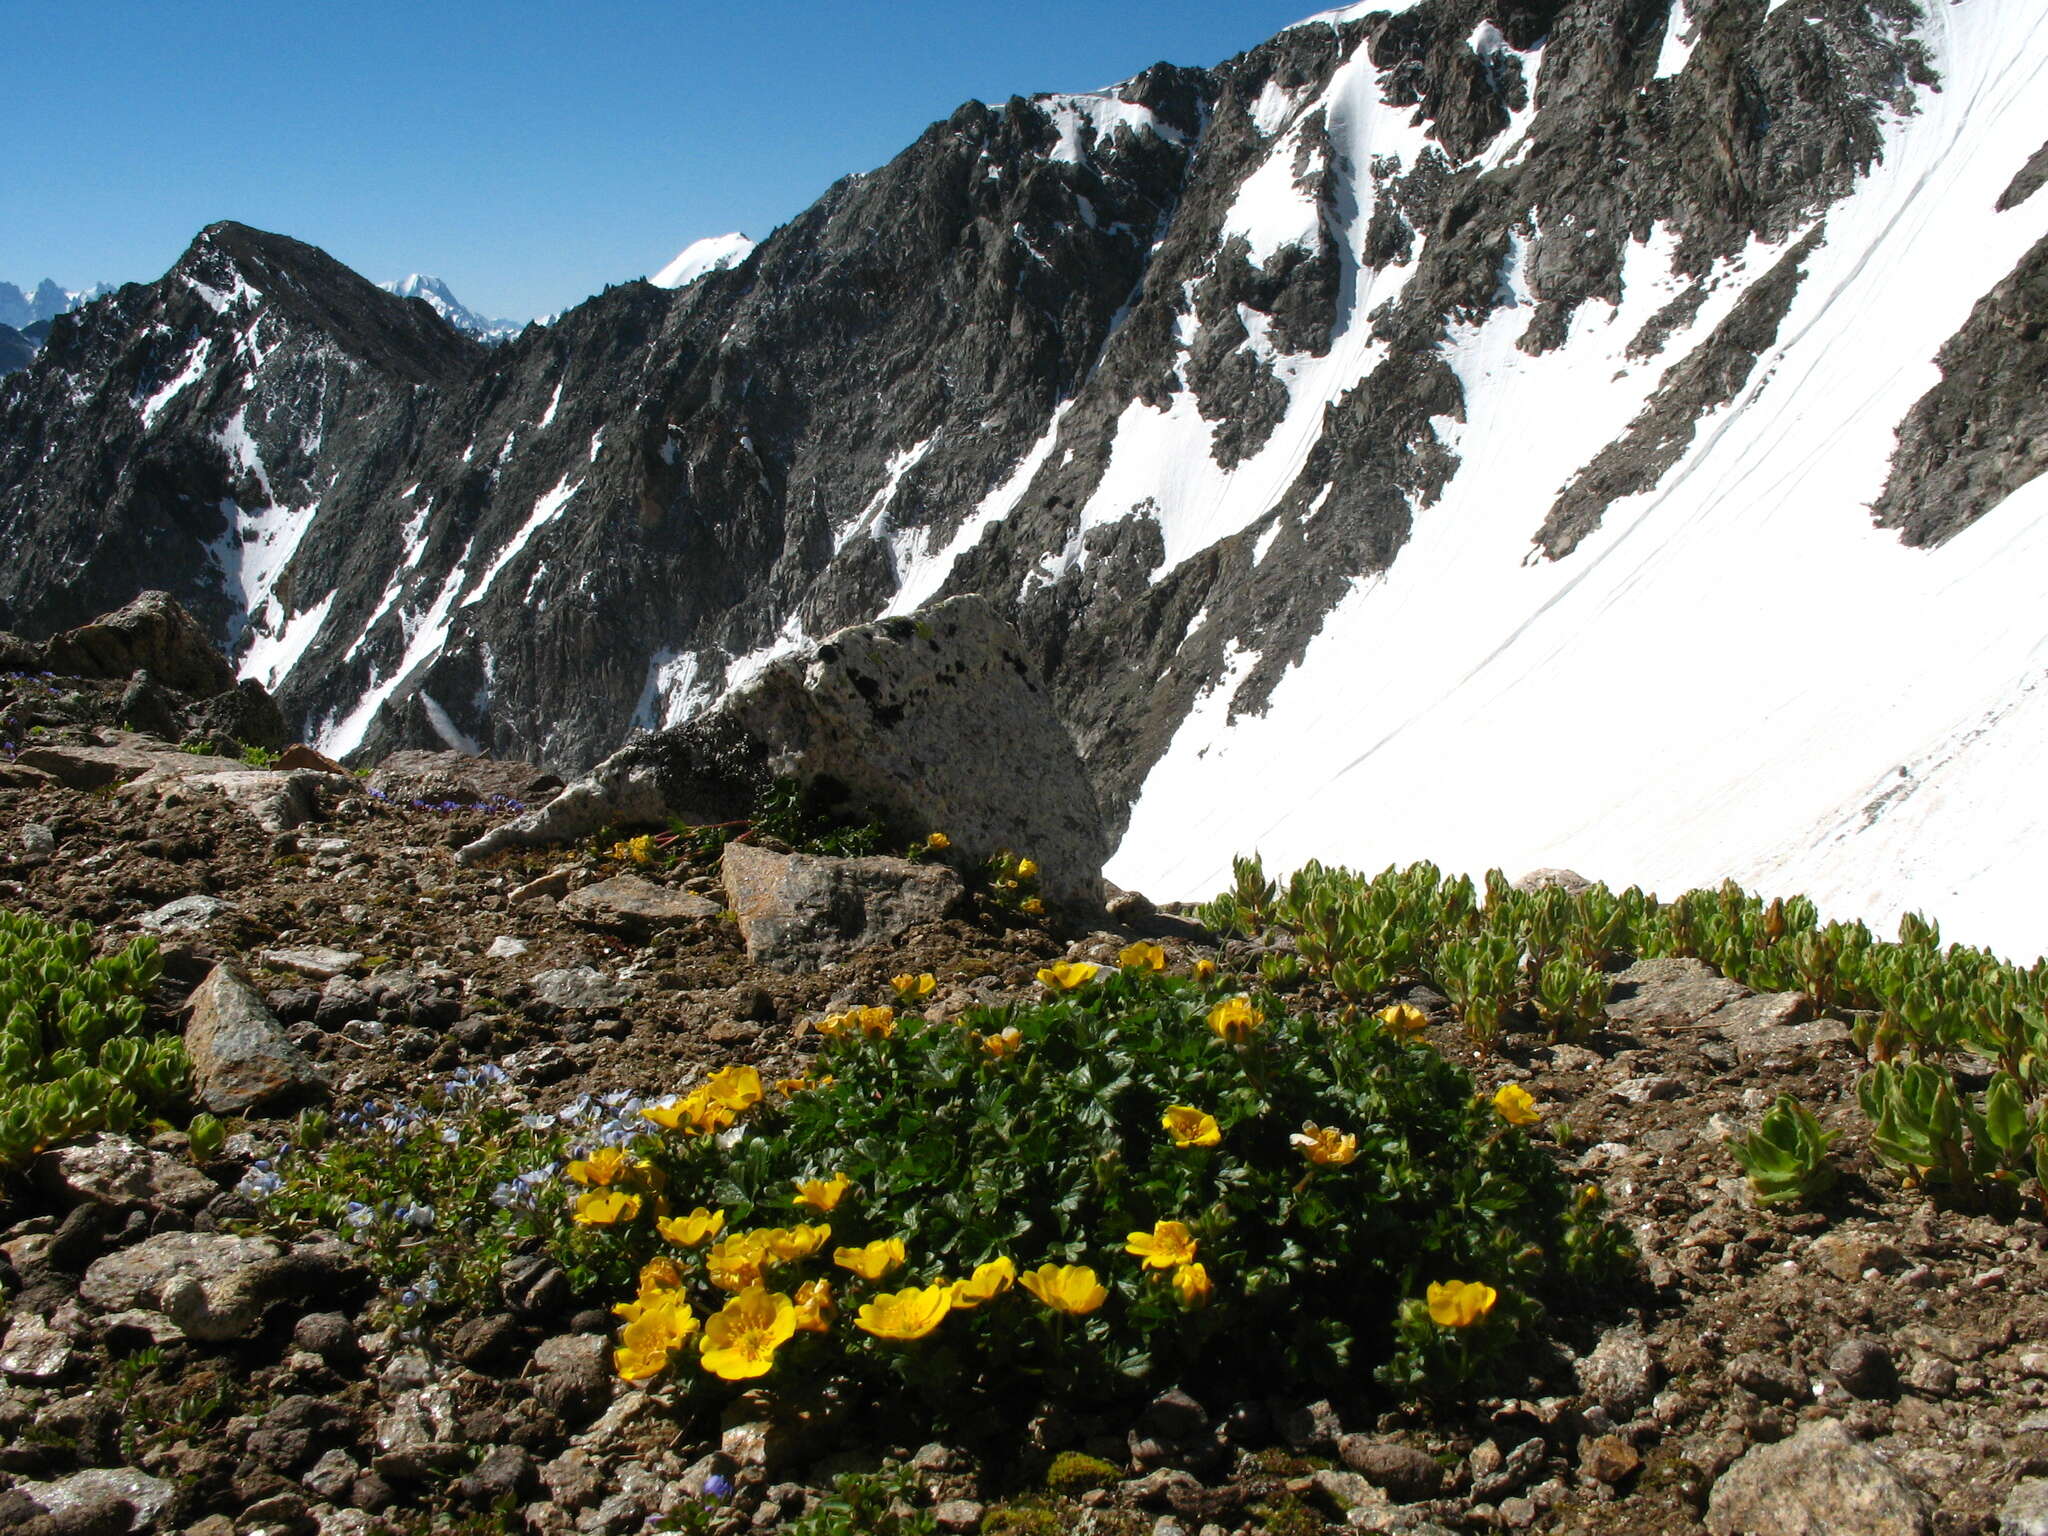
(575, 1375)
(1310, 1426)
(33, 1350)
(1517, 1513)
(1770, 1377)
(1864, 1368)
(212, 1285)
(1405, 1472)
(188, 914)
(332, 1476)
(1621, 1373)
(1511, 1472)
(38, 842)
(69, 1499)
(1342, 1492)
(241, 1057)
(328, 1335)
(636, 908)
(534, 1285)
(1932, 1376)
(505, 1473)
(576, 986)
(552, 886)
(1848, 1255)
(1647, 1090)
(2025, 1511)
(1608, 1459)
(490, 1343)
(957, 1515)
(505, 947)
(1817, 1480)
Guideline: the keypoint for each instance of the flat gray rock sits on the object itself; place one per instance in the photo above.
(33, 1350)
(1818, 1483)
(277, 799)
(2026, 1509)
(241, 1056)
(117, 1170)
(935, 723)
(636, 907)
(213, 1286)
(575, 986)
(188, 914)
(129, 759)
(796, 910)
(320, 964)
(72, 1497)
(1666, 994)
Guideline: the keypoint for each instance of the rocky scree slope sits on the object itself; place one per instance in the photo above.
(1176, 374)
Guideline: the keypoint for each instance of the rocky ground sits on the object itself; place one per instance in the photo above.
(1878, 1364)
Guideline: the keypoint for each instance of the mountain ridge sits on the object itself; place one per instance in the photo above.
(1187, 376)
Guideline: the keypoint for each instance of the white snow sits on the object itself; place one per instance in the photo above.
(1273, 209)
(1678, 42)
(195, 366)
(268, 657)
(554, 403)
(873, 519)
(1162, 458)
(701, 256)
(1344, 13)
(452, 736)
(920, 574)
(676, 690)
(1729, 676)
(1091, 120)
(545, 510)
(788, 640)
(425, 635)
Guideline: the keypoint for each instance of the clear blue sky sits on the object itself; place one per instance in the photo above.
(526, 153)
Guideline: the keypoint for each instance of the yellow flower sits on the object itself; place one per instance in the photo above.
(1460, 1303)
(833, 1025)
(667, 1115)
(908, 986)
(1191, 1286)
(877, 1023)
(1403, 1019)
(700, 1226)
(1067, 975)
(822, 1195)
(1031, 906)
(1325, 1145)
(607, 1165)
(1205, 970)
(696, 1113)
(815, 1308)
(938, 842)
(1168, 1245)
(1235, 1020)
(736, 1263)
(1069, 1288)
(1027, 869)
(1513, 1104)
(734, 1088)
(790, 1087)
(1008, 1043)
(640, 850)
(651, 1336)
(660, 1273)
(790, 1245)
(1141, 956)
(873, 1260)
(1190, 1127)
(987, 1282)
(740, 1340)
(602, 1207)
(906, 1314)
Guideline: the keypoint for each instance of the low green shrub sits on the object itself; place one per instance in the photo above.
(74, 1055)
(1138, 1180)
(1786, 1157)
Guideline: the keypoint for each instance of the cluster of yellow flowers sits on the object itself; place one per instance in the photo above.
(877, 1023)
(713, 1105)
(1168, 1252)
(635, 850)
(615, 1185)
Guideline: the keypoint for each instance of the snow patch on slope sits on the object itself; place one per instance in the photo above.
(1580, 712)
(545, 510)
(711, 254)
(1091, 120)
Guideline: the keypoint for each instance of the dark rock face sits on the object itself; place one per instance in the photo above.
(15, 349)
(1982, 432)
(920, 387)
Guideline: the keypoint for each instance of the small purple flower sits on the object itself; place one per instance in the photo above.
(717, 1487)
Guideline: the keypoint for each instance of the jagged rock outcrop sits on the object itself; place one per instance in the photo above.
(931, 724)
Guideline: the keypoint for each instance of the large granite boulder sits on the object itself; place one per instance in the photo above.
(153, 633)
(936, 723)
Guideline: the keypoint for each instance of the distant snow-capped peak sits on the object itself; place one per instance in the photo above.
(419, 285)
(711, 254)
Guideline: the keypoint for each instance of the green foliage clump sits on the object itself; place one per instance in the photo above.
(74, 1056)
(1073, 1473)
(438, 1194)
(1786, 1157)
(1320, 1174)
(868, 1504)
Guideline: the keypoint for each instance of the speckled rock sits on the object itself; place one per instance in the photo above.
(1818, 1483)
(796, 910)
(241, 1057)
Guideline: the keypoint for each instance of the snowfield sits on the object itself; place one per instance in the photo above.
(1736, 674)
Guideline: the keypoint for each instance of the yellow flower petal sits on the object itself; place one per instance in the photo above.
(873, 1260)
(734, 1088)
(1460, 1303)
(603, 1207)
(907, 1314)
(1190, 1127)
(1324, 1145)
(1191, 1286)
(1168, 1245)
(740, 1340)
(1067, 975)
(1235, 1020)
(823, 1195)
(1513, 1104)
(700, 1226)
(1141, 956)
(1069, 1288)
(1403, 1019)
(987, 1282)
